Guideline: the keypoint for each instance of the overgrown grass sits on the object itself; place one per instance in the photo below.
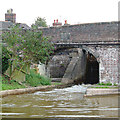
(57, 83)
(12, 85)
(35, 80)
(115, 84)
(105, 84)
(32, 80)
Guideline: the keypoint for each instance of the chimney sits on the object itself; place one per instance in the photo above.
(56, 23)
(65, 21)
(10, 16)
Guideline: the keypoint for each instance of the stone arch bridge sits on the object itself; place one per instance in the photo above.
(85, 53)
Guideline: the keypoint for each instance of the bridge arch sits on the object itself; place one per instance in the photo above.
(76, 65)
(92, 65)
(92, 70)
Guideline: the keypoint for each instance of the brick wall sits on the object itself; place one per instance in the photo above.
(108, 63)
(105, 31)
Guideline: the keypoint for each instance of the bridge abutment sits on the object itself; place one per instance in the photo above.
(109, 62)
(76, 69)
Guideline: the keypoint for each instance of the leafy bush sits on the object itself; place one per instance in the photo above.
(5, 58)
(35, 80)
(26, 47)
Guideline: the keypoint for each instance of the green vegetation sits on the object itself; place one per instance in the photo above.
(5, 58)
(35, 80)
(25, 49)
(105, 84)
(105, 87)
(12, 85)
(32, 80)
(40, 22)
(57, 83)
(115, 84)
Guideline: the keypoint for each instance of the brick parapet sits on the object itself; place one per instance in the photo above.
(90, 32)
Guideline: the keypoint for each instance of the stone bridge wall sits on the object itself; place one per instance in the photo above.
(109, 61)
(71, 66)
(106, 55)
(92, 32)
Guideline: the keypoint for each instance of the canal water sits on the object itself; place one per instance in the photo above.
(67, 102)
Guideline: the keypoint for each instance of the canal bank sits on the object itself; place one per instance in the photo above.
(31, 90)
(90, 91)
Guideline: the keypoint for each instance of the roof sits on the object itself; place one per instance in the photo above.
(24, 26)
(4, 25)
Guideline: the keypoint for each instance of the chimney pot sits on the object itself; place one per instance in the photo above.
(65, 21)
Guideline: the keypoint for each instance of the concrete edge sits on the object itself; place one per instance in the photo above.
(31, 90)
(101, 92)
(90, 91)
(105, 94)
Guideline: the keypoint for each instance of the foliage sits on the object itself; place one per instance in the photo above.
(115, 84)
(32, 79)
(26, 47)
(106, 84)
(40, 22)
(35, 79)
(37, 47)
(13, 84)
(57, 83)
(0, 82)
(14, 40)
(5, 58)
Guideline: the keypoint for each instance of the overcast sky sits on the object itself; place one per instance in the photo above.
(74, 11)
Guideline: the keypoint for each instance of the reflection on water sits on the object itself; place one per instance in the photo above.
(68, 102)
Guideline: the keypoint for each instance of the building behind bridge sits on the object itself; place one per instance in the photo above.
(10, 20)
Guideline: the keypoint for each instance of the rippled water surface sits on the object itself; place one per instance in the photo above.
(68, 102)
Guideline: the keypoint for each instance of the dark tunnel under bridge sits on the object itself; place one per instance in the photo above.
(74, 65)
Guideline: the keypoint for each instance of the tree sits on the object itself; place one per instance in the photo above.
(26, 47)
(40, 22)
(37, 47)
(5, 57)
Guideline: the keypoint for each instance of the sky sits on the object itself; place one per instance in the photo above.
(74, 11)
